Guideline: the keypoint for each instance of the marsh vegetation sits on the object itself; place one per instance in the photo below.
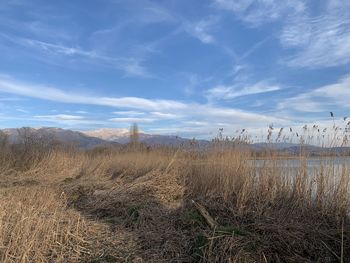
(142, 204)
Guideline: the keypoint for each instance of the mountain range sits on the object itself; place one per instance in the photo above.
(90, 139)
(93, 138)
(58, 134)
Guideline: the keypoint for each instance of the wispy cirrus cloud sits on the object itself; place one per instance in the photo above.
(132, 120)
(225, 92)
(200, 29)
(129, 113)
(11, 99)
(322, 99)
(155, 110)
(65, 120)
(131, 66)
(53, 48)
(81, 112)
(257, 12)
(11, 86)
(22, 110)
(149, 116)
(314, 38)
(60, 117)
(163, 115)
(319, 41)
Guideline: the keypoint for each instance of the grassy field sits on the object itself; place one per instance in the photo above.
(168, 205)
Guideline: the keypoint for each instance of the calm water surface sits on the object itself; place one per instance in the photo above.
(315, 165)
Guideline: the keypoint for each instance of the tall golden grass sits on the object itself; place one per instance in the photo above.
(115, 205)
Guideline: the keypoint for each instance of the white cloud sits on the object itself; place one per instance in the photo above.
(234, 6)
(136, 103)
(131, 66)
(155, 109)
(196, 123)
(200, 30)
(316, 38)
(235, 116)
(22, 110)
(60, 117)
(148, 116)
(194, 82)
(197, 29)
(65, 120)
(157, 14)
(322, 41)
(11, 99)
(39, 121)
(230, 92)
(132, 120)
(162, 115)
(9, 85)
(129, 113)
(325, 98)
(257, 12)
(58, 49)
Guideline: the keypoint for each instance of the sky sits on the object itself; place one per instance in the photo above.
(174, 66)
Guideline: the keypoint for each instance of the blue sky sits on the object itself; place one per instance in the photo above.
(174, 66)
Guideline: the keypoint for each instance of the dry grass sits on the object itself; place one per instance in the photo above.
(268, 216)
(119, 205)
(35, 226)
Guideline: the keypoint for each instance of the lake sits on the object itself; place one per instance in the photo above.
(315, 165)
